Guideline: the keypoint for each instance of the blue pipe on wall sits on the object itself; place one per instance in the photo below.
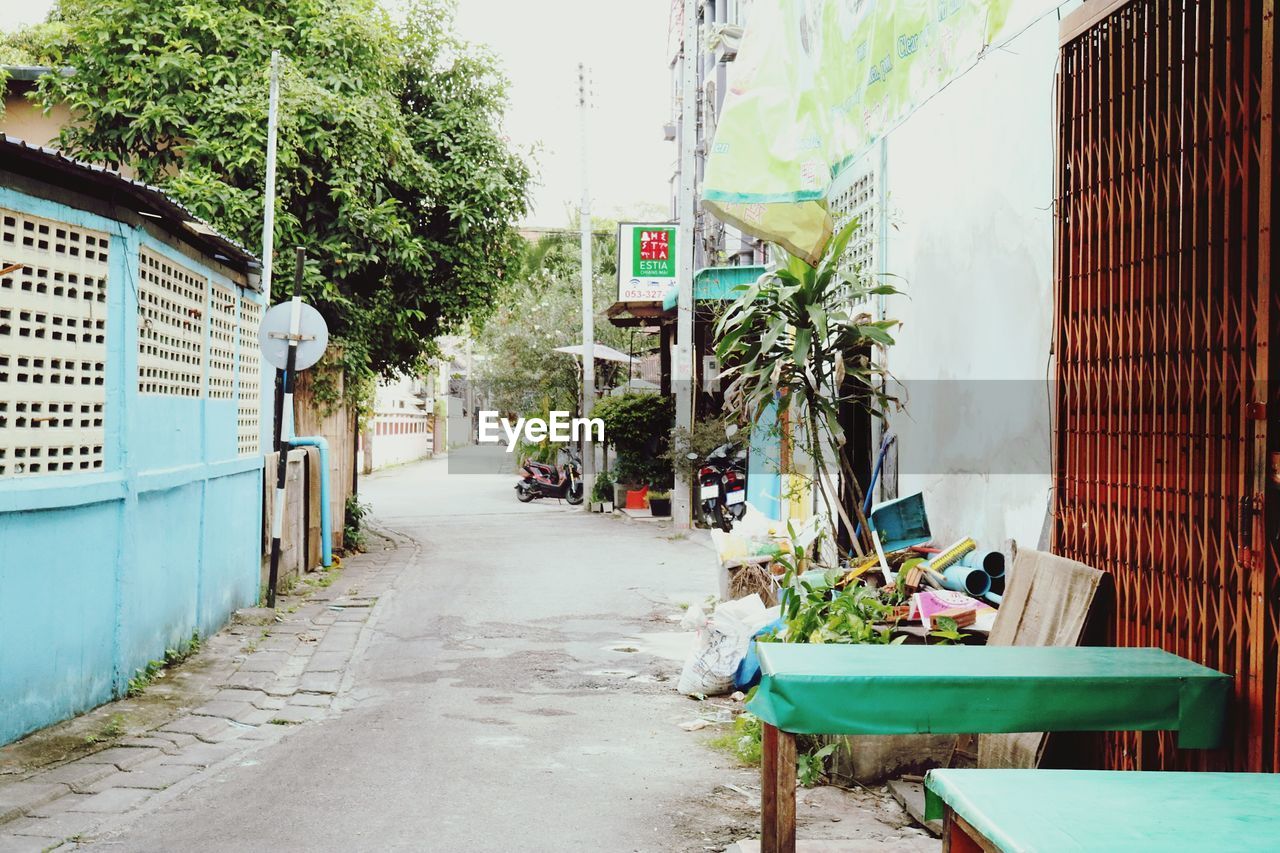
(326, 523)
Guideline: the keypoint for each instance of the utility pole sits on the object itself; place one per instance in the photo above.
(288, 378)
(588, 307)
(682, 363)
(269, 193)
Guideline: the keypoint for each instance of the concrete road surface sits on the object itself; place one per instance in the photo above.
(512, 697)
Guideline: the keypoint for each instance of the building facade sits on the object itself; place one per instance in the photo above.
(131, 433)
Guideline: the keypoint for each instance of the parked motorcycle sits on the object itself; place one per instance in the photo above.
(540, 480)
(722, 485)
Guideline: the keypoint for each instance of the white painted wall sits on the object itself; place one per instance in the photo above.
(406, 439)
(400, 430)
(969, 184)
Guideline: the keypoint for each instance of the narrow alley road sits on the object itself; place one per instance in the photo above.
(510, 697)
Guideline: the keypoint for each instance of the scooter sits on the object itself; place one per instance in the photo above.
(539, 480)
(722, 485)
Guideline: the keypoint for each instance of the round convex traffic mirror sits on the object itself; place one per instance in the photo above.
(273, 336)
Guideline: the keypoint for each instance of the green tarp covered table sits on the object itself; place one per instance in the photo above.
(843, 689)
(1053, 810)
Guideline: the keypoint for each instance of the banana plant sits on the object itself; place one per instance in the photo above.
(797, 337)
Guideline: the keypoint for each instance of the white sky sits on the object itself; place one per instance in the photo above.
(540, 43)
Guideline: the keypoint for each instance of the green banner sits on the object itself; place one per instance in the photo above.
(816, 83)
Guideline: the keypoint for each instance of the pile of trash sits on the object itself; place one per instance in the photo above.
(951, 594)
(718, 663)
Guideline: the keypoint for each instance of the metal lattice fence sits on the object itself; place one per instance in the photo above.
(1164, 307)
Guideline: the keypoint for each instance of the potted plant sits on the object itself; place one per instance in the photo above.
(660, 503)
(602, 493)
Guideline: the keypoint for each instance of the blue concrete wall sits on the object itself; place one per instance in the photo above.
(764, 480)
(101, 572)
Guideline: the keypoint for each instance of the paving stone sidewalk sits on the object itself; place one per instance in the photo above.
(259, 679)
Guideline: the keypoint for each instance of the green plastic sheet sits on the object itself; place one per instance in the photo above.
(1112, 810)
(875, 690)
(815, 84)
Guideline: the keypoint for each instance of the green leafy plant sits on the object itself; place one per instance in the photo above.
(144, 676)
(660, 495)
(795, 338)
(897, 594)
(545, 451)
(638, 427)
(602, 491)
(821, 613)
(706, 435)
(743, 740)
(812, 766)
(354, 513)
(946, 631)
(109, 731)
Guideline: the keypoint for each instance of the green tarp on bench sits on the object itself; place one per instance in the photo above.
(1112, 810)
(845, 689)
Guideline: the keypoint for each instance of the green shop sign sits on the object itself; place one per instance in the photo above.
(646, 260)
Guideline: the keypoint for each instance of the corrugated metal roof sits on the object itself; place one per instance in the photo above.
(31, 160)
(31, 73)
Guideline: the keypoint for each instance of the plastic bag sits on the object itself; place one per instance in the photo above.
(721, 646)
(747, 675)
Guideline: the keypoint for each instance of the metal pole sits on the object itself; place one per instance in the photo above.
(269, 193)
(283, 447)
(588, 307)
(682, 365)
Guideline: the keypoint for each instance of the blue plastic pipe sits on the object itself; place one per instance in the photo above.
(326, 523)
(966, 579)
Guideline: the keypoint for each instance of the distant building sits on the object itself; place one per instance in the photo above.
(23, 119)
(405, 426)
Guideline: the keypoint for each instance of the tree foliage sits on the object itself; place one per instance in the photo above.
(542, 310)
(638, 426)
(392, 169)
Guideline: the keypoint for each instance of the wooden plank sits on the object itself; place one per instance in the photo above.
(768, 789)
(777, 791)
(910, 795)
(292, 533)
(337, 425)
(312, 510)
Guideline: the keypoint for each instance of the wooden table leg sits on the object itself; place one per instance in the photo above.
(777, 791)
(959, 836)
(768, 789)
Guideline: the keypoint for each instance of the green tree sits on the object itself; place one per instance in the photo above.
(393, 172)
(542, 310)
(798, 337)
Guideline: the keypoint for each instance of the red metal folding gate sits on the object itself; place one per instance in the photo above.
(1164, 317)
